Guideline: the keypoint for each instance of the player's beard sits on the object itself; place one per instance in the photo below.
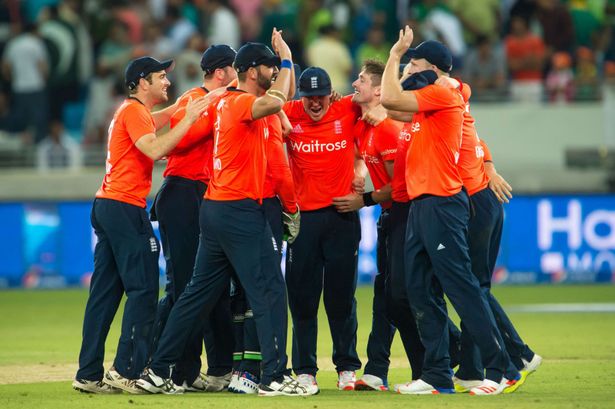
(262, 81)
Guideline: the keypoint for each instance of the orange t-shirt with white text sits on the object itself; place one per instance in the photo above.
(399, 192)
(239, 161)
(128, 176)
(433, 154)
(378, 144)
(322, 154)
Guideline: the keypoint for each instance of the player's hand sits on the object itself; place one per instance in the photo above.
(358, 184)
(375, 115)
(406, 35)
(348, 203)
(448, 82)
(335, 96)
(196, 107)
(279, 45)
(500, 187)
(292, 223)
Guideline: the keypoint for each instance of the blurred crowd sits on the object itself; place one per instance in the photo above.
(63, 60)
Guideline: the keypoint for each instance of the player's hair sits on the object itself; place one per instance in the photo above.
(134, 90)
(374, 69)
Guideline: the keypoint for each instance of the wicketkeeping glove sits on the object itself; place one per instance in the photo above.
(291, 225)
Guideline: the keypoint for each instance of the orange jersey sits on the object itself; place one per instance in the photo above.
(239, 162)
(192, 157)
(278, 180)
(377, 145)
(399, 193)
(433, 154)
(487, 157)
(471, 162)
(128, 175)
(321, 154)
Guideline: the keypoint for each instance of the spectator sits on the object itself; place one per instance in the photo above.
(331, 54)
(478, 17)
(58, 151)
(283, 15)
(587, 27)
(556, 23)
(485, 69)
(116, 50)
(312, 17)
(439, 23)
(249, 14)
(586, 75)
(525, 53)
(560, 79)
(26, 64)
(188, 73)
(63, 47)
(222, 27)
(156, 44)
(374, 48)
(180, 29)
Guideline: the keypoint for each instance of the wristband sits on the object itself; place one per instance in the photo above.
(368, 200)
(286, 64)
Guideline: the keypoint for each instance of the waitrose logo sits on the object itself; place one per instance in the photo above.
(315, 146)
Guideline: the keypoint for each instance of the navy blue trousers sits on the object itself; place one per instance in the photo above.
(323, 259)
(436, 245)
(176, 208)
(249, 347)
(381, 336)
(484, 235)
(398, 306)
(125, 261)
(235, 240)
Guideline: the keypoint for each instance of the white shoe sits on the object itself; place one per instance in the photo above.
(370, 383)
(346, 380)
(217, 383)
(232, 386)
(284, 387)
(489, 387)
(198, 385)
(532, 365)
(115, 380)
(247, 384)
(420, 387)
(152, 383)
(309, 382)
(98, 387)
(464, 386)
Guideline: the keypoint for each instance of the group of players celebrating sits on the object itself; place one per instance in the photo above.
(232, 195)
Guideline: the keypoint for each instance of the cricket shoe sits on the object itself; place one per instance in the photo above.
(98, 387)
(464, 386)
(217, 383)
(232, 386)
(346, 380)
(489, 388)
(514, 384)
(115, 380)
(371, 383)
(309, 382)
(152, 383)
(198, 385)
(531, 366)
(247, 384)
(286, 386)
(420, 387)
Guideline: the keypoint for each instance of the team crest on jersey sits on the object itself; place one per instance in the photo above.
(297, 129)
(337, 125)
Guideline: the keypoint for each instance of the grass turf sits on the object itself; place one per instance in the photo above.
(43, 329)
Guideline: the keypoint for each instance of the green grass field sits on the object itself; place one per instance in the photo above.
(40, 334)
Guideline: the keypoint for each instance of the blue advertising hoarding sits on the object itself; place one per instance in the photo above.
(546, 239)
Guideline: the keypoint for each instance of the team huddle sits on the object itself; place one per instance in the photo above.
(232, 194)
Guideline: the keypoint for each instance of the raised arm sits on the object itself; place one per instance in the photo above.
(392, 95)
